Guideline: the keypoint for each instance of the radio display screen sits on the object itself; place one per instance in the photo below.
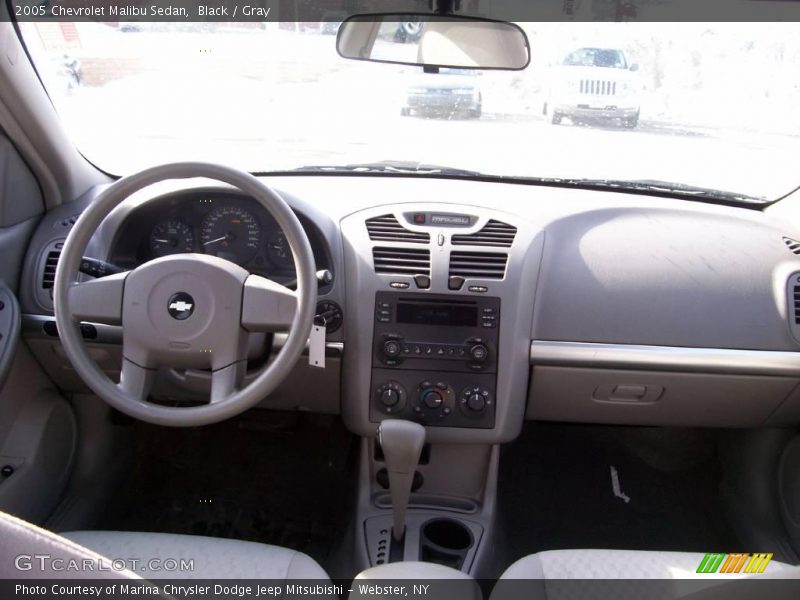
(419, 313)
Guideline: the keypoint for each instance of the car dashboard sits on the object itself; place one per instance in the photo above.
(470, 306)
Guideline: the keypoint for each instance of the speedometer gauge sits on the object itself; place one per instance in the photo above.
(171, 237)
(232, 233)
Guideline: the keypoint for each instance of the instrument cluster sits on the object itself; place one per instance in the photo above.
(232, 227)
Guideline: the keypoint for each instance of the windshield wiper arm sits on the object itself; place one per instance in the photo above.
(391, 166)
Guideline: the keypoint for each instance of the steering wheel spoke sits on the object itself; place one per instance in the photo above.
(99, 300)
(135, 381)
(266, 305)
(226, 381)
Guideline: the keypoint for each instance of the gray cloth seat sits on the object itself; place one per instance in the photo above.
(211, 558)
(115, 554)
(617, 564)
(630, 574)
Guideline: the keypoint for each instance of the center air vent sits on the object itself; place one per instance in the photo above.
(793, 245)
(479, 265)
(387, 228)
(402, 261)
(494, 233)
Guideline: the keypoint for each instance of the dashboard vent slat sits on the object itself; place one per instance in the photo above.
(481, 265)
(402, 261)
(49, 270)
(387, 228)
(793, 245)
(494, 233)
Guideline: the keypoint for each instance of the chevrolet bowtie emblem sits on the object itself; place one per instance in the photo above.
(181, 306)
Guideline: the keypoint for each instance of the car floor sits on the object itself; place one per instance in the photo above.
(278, 478)
(556, 490)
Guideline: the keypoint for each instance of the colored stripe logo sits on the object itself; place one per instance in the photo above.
(736, 562)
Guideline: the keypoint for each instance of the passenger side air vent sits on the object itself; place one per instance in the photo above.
(481, 265)
(402, 261)
(49, 269)
(387, 228)
(494, 233)
(796, 303)
(793, 245)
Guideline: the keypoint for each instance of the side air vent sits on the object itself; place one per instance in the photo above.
(387, 228)
(481, 265)
(402, 261)
(793, 245)
(49, 269)
(494, 233)
(794, 301)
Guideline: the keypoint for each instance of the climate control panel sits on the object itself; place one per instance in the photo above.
(457, 400)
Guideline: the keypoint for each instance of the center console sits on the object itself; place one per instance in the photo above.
(434, 359)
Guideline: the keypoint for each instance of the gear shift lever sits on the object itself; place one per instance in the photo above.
(401, 442)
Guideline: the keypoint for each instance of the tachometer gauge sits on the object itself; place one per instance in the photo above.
(171, 237)
(232, 233)
(279, 252)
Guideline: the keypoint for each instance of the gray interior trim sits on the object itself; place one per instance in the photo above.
(33, 326)
(9, 330)
(665, 358)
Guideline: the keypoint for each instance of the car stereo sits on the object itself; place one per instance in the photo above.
(434, 359)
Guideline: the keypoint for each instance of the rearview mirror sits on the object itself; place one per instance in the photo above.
(434, 41)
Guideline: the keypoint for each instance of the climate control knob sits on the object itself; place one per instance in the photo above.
(389, 397)
(479, 352)
(432, 399)
(476, 402)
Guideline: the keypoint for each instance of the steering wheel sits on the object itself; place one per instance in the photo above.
(185, 310)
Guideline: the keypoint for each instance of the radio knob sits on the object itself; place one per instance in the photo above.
(476, 402)
(479, 352)
(432, 399)
(391, 348)
(389, 397)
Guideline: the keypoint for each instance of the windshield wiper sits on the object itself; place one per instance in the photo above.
(655, 186)
(391, 166)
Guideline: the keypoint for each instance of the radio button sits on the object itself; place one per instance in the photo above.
(479, 352)
(391, 348)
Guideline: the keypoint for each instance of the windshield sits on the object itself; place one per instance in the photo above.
(708, 105)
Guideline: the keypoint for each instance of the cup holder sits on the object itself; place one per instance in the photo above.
(445, 542)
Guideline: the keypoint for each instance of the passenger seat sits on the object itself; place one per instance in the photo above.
(623, 564)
